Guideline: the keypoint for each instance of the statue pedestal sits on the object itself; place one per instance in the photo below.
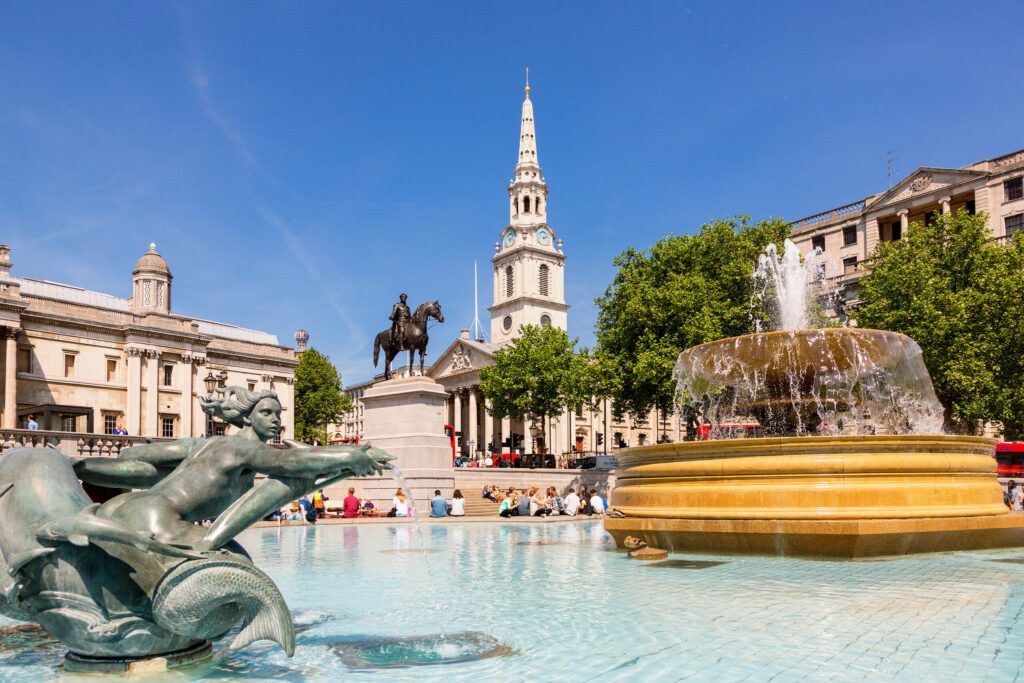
(197, 654)
(406, 418)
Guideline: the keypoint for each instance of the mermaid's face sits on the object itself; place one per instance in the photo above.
(265, 419)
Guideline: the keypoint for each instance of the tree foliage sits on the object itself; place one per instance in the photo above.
(318, 396)
(683, 291)
(540, 374)
(961, 297)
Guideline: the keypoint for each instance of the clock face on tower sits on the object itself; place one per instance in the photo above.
(543, 237)
(510, 238)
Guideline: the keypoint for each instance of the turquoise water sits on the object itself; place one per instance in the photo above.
(546, 602)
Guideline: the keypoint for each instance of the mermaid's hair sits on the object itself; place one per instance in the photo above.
(236, 404)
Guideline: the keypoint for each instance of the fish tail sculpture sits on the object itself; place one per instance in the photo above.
(205, 598)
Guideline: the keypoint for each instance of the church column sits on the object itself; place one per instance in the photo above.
(473, 445)
(131, 411)
(506, 431)
(904, 215)
(945, 203)
(187, 383)
(457, 414)
(10, 339)
(152, 392)
(488, 427)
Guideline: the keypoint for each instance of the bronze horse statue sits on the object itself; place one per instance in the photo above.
(415, 337)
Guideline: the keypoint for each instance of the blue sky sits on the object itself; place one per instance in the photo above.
(298, 164)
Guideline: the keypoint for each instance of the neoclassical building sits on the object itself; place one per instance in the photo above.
(88, 362)
(849, 234)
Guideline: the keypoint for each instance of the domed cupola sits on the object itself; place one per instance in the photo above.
(151, 290)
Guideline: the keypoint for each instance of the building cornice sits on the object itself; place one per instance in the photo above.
(527, 298)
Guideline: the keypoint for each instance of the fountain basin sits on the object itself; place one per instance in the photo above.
(851, 496)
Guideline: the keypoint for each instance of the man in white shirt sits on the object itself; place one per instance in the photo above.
(597, 504)
(572, 503)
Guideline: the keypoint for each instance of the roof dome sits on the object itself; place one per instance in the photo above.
(152, 262)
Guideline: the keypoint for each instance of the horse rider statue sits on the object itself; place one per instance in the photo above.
(400, 315)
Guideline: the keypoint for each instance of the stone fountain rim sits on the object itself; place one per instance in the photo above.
(778, 445)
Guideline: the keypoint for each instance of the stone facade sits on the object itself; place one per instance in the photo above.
(850, 233)
(87, 362)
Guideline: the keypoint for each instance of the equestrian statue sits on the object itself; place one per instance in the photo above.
(407, 333)
(137, 576)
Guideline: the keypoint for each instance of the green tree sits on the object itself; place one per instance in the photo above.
(539, 374)
(318, 396)
(961, 297)
(683, 291)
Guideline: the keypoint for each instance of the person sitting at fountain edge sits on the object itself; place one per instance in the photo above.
(597, 503)
(438, 505)
(350, 506)
(572, 503)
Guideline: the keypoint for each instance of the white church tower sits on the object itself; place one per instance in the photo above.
(529, 265)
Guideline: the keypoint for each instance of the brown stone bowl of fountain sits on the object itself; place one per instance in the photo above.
(870, 475)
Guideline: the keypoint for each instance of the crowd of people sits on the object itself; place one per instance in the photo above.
(533, 503)
(512, 502)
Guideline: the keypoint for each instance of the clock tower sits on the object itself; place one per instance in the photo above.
(529, 264)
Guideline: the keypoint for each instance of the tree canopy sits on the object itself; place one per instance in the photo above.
(318, 396)
(539, 375)
(961, 297)
(683, 291)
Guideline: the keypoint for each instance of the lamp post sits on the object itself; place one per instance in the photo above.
(212, 382)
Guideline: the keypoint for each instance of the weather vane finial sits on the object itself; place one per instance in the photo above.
(527, 82)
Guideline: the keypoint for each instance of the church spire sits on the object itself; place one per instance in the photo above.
(528, 191)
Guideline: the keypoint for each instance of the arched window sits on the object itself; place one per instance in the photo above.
(509, 281)
(545, 320)
(544, 279)
(526, 204)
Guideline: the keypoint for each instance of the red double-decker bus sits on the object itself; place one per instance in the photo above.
(1010, 459)
(730, 430)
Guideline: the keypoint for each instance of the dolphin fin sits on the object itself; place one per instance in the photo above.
(19, 560)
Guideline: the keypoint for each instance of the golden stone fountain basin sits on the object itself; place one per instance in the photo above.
(821, 496)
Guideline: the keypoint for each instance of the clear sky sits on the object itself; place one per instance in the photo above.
(299, 164)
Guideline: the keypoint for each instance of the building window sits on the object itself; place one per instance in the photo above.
(111, 369)
(526, 204)
(931, 218)
(24, 360)
(1013, 189)
(849, 235)
(69, 366)
(67, 423)
(509, 281)
(159, 294)
(818, 243)
(969, 205)
(545, 320)
(1014, 224)
(544, 279)
(109, 423)
(147, 291)
(506, 323)
(167, 428)
(251, 386)
(168, 375)
(897, 230)
(849, 264)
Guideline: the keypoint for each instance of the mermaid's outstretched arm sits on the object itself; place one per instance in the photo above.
(118, 474)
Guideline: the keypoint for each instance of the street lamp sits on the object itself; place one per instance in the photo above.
(210, 382)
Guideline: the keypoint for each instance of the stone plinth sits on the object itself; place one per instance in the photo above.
(197, 654)
(406, 417)
(854, 496)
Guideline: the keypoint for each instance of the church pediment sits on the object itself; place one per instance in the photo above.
(462, 357)
(924, 181)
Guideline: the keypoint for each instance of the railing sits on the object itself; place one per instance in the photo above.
(856, 207)
(70, 443)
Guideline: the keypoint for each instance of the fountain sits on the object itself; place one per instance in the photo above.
(853, 461)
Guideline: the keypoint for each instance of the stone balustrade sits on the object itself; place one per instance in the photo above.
(855, 207)
(70, 443)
